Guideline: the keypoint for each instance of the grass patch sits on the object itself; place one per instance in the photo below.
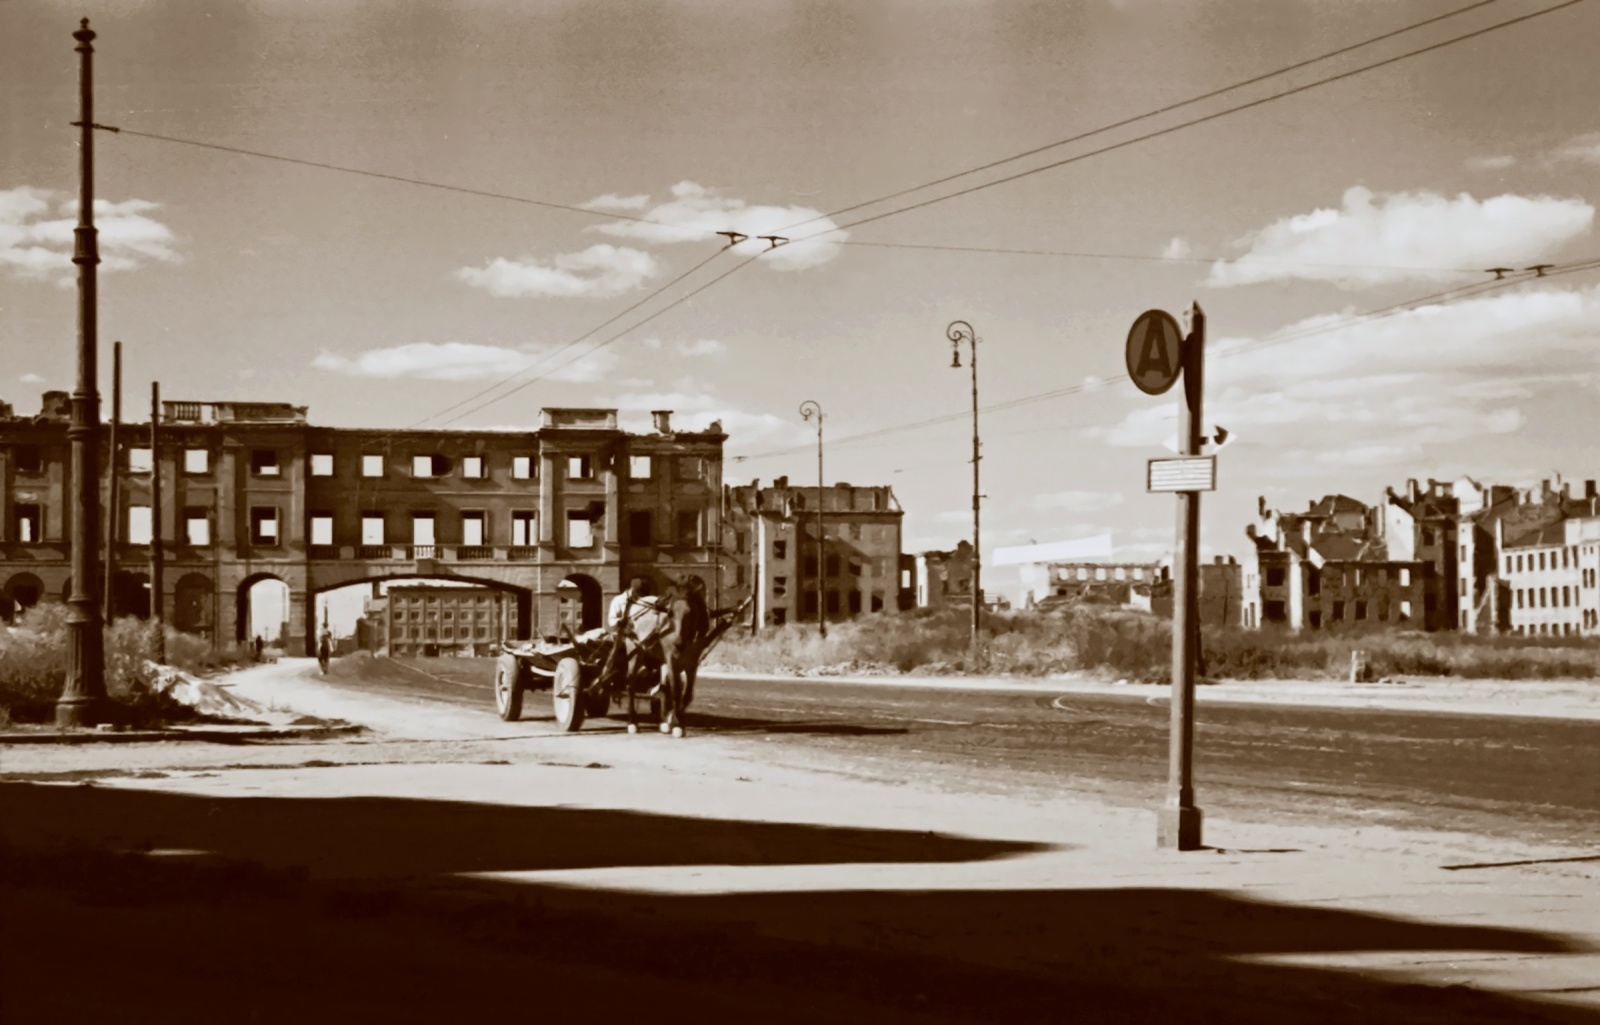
(1137, 646)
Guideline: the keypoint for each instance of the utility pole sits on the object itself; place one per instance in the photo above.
(113, 489)
(810, 408)
(84, 690)
(157, 556)
(1180, 820)
(957, 332)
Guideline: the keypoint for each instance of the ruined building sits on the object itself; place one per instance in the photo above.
(557, 519)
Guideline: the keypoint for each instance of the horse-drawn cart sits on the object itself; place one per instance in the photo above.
(589, 678)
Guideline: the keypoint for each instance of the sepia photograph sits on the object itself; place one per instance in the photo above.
(992, 511)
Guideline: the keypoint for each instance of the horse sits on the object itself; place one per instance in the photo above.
(682, 642)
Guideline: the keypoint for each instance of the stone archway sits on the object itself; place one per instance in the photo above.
(246, 630)
(578, 603)
(22, 591)
(194, 605)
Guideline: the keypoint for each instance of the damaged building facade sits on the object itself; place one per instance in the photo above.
(557, 519)
(771, 542)
(1431, 557)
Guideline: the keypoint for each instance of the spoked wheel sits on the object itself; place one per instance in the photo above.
(566, 694)
(508, 688)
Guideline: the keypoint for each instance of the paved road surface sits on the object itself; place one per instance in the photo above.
(1537, 779)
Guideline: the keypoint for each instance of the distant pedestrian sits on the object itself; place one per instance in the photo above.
(259, 644)
(324, 649)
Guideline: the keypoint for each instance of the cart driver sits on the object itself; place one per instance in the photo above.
(619, 621)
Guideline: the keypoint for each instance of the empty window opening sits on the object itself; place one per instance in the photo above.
(138, 525)
(322, 528)
(197, 527)
(472, 467)
(29, 524)
(639, 528)
(372, 528)
(28, 459)
(322, 464)
(639, 467)
(196, 460)
(472, 529)
(522, 467)
(264, 462)
(264, 525)
(579, 468)
(522, 529)
(140, 460)
(580, 530)
(372, 465)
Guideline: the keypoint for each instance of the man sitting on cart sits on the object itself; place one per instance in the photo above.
(619, 623)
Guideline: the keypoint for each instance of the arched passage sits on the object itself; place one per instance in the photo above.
(194, 605)
(578, 603)
(367, 614)
(262, 609)
(22, 591)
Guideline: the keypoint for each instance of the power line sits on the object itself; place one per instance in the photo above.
(1141, 117)
(1149, 259)
(1193, 121)
(633, 327)
(425, 183)
(563, 348)
(1448, 295)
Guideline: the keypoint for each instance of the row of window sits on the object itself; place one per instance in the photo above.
(853, 600)
(441, 615)
(264, 463)
(1336, 577)
(1560, 558)
(1547, 597)
(1591, 620)
(1100, 573)
(1356, 611)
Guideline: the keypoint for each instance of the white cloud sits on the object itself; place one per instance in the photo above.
(31, 379)
(612, 201)
(1077, 501)
(651, 343)
(1404, 236)
(1495, 163)
(1177, 249)
(703, 347)
(1378, 393)
(695, 212)
(465, 361)
(599, 272)
(36, 233)
(1585, 148)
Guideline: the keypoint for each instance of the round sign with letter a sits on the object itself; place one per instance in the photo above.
(1155, 352)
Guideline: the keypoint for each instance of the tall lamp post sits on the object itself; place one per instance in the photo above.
(808, 409)
(960, 331)
(85, 687)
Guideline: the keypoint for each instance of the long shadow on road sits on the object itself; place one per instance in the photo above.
(354, 910)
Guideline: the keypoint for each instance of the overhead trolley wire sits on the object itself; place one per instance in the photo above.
(1157, 133)
(1141, 117)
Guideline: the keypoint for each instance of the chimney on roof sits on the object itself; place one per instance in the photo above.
(1261, 506)
(663, 419)
(781, 482)
(1589, 489)
(1566, 490)
(1411, 489)
(1217, 560)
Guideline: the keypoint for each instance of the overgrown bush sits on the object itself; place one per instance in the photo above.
(33, 669)
(1137, 646)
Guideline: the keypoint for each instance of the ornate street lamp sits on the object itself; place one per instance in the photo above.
(960, 331)
(808, 409)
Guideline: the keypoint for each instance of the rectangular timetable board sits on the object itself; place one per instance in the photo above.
(1185, 473)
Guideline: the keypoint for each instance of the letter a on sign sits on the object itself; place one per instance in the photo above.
(1155, 352)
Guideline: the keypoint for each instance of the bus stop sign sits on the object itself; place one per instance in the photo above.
(1155, 352)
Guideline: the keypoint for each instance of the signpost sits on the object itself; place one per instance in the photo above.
(1157, 356)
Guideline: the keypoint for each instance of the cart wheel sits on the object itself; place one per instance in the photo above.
(508, 688)
(566, 694)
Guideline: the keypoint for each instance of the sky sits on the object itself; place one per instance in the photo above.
(591, 151)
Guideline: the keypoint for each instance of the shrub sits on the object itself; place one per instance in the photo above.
(1138, 646)
(33, 669)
